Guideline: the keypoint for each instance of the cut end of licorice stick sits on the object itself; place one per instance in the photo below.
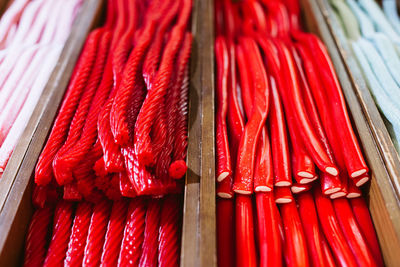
(283, 200)
(243, 192)
(353, 195)
(337, 195)
(307, 180)
(305, 174)
(360, 181)
(358, 173)
(177, 169)
(297, 189)
(332, 171)
(224, 195)
(331, 191)
(283, 184)
(262, 188)
(222, 176)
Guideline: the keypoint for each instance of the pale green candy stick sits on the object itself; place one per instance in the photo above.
(349, 21)
(366, 26)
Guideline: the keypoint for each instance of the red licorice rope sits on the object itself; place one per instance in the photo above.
(131, 247)
(36, 238)
(96, 234)
(115, 232)
(225, 232)
(61, 233)
(150, 241)
(44, 171)
(77, 241)
(169, 232)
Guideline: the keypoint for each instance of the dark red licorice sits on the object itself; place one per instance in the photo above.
(61, 233)
(96, 234)
(332, 230)
(58, 135)
(36, 238)
(225, 232)
(353, 234)
(131, 246)
(224, 168)
(150, 241)
(118, 115)
(269, 239)
(154, 98)
(279, 140)
(125, 186)
(77, 241)
(169, 232)
(296, 253)
(243, 181)
(114, 234)
(62, 171)
(245, 243)
(312, 230)
(361, 213)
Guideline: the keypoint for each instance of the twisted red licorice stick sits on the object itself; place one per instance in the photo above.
(125, 186)
(169, 232)
(118, 115)
(36, 239)
(96, 234)
(61, 233)
(62, 173)
(150, 242)
(151, 62)
(115, 232)
(172, 108)
(154, 98)
(131, 247)
(79, 233)
(44, 171)
(120, 19)
(89, 133)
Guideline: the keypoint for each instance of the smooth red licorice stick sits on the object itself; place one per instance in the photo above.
(169, 231)
(245, 243)
(283, 195)
(77, 241)
(291, 96)
(363, 217)
(263, 173)
(223, 161)
(219, 18)
(243, 182)
(114, 234)
(154, 98)
(279, 140)
(224, 188)
(61, 233)
(118, 114)
(44, 171)
(225, 232)
(150, 241)
(230, 26)
(36, 238)
(353, 233)
(332, 230)
(295, 241)
(329, 260)
(352, 154)
(177, 121)
(312, 230)
(61, 171)
(131, 246)
(96, 234)
(330, 184)
(352, 190)
(269, 239)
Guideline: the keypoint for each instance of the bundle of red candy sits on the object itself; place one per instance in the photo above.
(121, 132)
(282, 127)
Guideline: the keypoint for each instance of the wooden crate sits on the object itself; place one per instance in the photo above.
(199, 233)
(378, 149)
(199, 195)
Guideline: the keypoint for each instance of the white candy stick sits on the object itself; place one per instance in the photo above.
(10, 18)
(20, 123)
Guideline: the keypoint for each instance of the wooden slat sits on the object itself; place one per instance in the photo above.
(15, 213)
(199, 233)
(384, 204)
